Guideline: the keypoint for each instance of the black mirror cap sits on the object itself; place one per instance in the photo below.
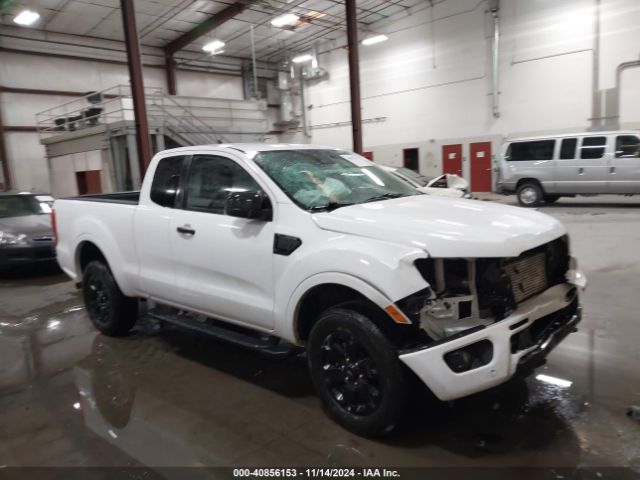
(250, 204)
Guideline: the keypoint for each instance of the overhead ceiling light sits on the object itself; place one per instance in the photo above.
(214, 47)
(26, 17)
(302, 58)
(375, 39)
(286, 19)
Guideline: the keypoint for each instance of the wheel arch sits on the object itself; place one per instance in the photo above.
(86, 252)
(525, 180)
(324, 291)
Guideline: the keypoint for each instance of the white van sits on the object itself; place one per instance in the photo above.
(591, 163)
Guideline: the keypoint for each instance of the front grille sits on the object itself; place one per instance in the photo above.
(528, 275)
(502, 283)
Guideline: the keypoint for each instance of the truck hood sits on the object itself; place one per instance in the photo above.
(446, 227)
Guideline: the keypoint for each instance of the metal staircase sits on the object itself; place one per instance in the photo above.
(180, 124)
(187, 120)
(97, 131)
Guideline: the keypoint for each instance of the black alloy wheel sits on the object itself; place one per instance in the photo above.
(109, 309)
(356, 371)
(350, 373)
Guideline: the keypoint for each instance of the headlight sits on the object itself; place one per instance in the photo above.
(7, 238)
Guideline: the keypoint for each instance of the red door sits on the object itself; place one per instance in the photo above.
(88, 182)
(452, 159)
(480, 166)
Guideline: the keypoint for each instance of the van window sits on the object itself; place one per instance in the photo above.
(536, 150)
(593, 147)
(627, 146)
(568, 148)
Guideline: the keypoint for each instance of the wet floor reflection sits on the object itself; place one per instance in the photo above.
(208, 403)
(177, 398)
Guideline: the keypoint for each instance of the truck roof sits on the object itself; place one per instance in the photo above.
(252, 147)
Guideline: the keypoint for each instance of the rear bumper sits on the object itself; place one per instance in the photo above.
(11, 255)
(519, 342)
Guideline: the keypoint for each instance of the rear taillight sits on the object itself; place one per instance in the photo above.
(54, 227)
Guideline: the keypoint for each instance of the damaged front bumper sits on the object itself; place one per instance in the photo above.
(520, 341)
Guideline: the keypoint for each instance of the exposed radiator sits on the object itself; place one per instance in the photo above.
(528, 276)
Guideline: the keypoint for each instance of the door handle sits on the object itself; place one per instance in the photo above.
(612, 169)
(580, 171)
(186, 230)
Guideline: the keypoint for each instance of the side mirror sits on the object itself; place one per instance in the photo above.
(251, 204)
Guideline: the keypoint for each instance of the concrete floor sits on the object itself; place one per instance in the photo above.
(72, 397)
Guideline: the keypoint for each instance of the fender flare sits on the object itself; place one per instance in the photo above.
(366, 289)
(112, 258)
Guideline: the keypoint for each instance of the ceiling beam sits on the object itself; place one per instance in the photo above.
(206, 26)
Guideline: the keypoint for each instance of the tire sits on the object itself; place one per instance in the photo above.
(530, 194)
(551, 199)
(370, 397)
(110, 311)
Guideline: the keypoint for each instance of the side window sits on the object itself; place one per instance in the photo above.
(211, 179)
(627, 146)
(568, 148)
(535, 150)
(593, 147)
(166, 180)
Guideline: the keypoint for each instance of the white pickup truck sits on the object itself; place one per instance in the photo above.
(277, 246)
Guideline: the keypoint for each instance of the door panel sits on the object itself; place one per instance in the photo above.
(224, 263)
(151, 232)
(156, 264)
(480, 166)
(624, 165)
(592, 165)
(566, 167)
(225, 267)
(94, 185)
(452, 159)
(587, 170)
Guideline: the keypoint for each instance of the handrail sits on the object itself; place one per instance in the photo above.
(201, 129)
(113, 104)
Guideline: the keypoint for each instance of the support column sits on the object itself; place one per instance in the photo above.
(6, 171)
(170, 71)
(354, 75)
(143, 140)
(134, 159)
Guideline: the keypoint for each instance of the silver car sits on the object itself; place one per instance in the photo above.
(547, 168)
(26, 235)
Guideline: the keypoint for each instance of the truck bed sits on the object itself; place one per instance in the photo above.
(129, 198)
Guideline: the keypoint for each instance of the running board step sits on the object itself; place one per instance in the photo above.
(243, 337)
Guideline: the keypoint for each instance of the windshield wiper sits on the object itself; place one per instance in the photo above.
(385, 196)
(328, 207)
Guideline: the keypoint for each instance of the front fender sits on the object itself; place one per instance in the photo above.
(382, 272)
